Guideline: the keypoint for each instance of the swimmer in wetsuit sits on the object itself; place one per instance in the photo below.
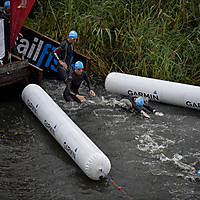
(64, 54)
(141, 106)
(74, 81)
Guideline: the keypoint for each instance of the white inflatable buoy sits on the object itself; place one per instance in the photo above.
(81, 149)
(156, 90)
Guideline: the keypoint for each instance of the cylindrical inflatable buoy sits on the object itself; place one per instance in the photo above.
(81, 149)
(156, 90)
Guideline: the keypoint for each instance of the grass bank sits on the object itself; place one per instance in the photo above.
(152, 38)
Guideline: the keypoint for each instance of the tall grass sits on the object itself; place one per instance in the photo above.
(159, 39)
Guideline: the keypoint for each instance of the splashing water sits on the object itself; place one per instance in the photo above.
(112, 102)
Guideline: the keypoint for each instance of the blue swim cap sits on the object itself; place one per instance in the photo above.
(139, 101)
(73, 34)
(7, 4)
(78, 65)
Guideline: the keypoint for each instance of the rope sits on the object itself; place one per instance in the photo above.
(119, 188)
(116, 185)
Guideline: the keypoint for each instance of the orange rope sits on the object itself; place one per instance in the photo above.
(119, 188)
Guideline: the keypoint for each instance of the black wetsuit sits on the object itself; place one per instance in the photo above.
(145, 107)
(64, 52)
(73, 83)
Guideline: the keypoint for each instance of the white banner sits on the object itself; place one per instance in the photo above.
(2, 40)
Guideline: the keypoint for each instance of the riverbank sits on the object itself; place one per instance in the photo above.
(157, 39)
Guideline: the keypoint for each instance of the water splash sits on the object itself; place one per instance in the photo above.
(153, 143)
(112, 102)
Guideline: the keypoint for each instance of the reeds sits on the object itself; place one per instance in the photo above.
(159, 39)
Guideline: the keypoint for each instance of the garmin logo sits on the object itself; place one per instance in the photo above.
(146, 95)
(31, 106)
(192, 104)
(69, 150)
(48, 126)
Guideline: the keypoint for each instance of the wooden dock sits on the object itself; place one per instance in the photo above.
(36, 73)
(14, 72)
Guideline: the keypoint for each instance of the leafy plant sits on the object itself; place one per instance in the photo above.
(158, 39)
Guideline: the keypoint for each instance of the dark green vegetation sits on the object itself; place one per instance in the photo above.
(152, 38)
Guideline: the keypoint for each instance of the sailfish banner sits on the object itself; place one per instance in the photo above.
(19, 10)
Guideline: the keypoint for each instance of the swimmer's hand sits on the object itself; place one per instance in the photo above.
(81, 98)
(145, 114)
(92, 93)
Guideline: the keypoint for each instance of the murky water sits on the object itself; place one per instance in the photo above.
(155, 158)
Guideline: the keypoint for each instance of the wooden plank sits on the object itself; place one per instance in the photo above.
(12, 82)
(14, 72)
(13, 75)
(18, 65)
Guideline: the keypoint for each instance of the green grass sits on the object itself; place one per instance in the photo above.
(159, 39)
